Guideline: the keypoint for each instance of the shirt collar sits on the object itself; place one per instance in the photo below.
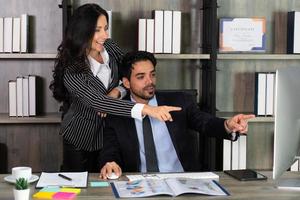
(95, 65)
(152, 102)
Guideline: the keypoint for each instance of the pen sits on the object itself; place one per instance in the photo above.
(65, 177)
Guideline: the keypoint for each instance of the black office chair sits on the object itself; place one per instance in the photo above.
(194, 138)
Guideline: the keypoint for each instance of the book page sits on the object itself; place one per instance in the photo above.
(185, 185)
(141, 188)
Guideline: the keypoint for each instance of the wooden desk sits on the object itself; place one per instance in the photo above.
(238, 190)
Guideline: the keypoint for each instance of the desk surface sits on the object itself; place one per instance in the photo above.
(238, 190)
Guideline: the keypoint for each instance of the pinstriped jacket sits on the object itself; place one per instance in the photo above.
(81, 126)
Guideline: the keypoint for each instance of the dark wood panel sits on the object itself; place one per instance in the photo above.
(38, 146)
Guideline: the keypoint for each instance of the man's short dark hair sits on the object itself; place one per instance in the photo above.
(131, 58)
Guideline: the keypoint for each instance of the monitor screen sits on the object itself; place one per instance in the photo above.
(287, 119)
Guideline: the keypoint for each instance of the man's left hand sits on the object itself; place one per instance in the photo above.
(238, 123)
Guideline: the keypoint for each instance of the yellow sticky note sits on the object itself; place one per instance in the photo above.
(74, 190)
(44, 195)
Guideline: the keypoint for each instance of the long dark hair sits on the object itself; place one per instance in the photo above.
(73, 48)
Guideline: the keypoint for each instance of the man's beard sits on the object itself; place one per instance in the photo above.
(142, 93)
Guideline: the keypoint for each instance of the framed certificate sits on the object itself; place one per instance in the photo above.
(242, 35)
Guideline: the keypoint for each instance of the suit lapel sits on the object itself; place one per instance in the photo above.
(132, 135)
(114, 73)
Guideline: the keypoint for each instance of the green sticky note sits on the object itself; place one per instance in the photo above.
(99, 184)
(50, 189)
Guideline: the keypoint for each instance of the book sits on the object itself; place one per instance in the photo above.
(109, 12)
(167, 31)
(142, 35)
(235, 155)
(16, 34)
(25, 96)
(169, 186)
(8, 31)
(1, 34)
(293, 32)
(24, 33)
(12, 98)
(176, 32)
(20, 96)
(150, 35)
(226, 154)
(242, 35)
(280, 32)
(270, 91)
(260, 94)
(158, 16)
(75, 179)
(32, 95)
(242, 160)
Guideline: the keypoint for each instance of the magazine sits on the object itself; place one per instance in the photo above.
(169, 186)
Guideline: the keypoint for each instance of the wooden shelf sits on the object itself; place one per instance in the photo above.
(53, 56)
(49, 118)
(45, 56)
(182, 56)
(259, 56)
(257, 119)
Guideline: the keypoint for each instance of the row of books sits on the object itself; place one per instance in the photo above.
(14, 33)
(22, 96)
(264, 93)
(161, 34)
(235, 154)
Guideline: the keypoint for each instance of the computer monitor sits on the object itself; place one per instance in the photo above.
(287, 119)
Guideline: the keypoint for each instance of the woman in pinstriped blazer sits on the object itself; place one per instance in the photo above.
(86, 82)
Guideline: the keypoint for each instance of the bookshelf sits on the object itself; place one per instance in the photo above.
(39, 56)
(235, 82)
(49, 118)
(29, 141)
(258, 57)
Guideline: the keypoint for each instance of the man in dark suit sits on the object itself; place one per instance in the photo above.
(126, 141)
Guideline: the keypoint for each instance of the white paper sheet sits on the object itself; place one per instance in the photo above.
(79, 179)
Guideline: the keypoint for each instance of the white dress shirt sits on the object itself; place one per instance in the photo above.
(101, 70)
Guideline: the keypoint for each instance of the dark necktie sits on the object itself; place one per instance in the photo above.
(150, 153)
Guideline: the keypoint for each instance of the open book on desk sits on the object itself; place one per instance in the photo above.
(169, 186)
(70, 179)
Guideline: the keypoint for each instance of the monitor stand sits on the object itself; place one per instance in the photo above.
(292, 184)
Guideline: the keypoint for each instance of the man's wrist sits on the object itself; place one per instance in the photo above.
(227, 127)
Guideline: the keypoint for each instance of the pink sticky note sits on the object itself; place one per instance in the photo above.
(64, 195)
